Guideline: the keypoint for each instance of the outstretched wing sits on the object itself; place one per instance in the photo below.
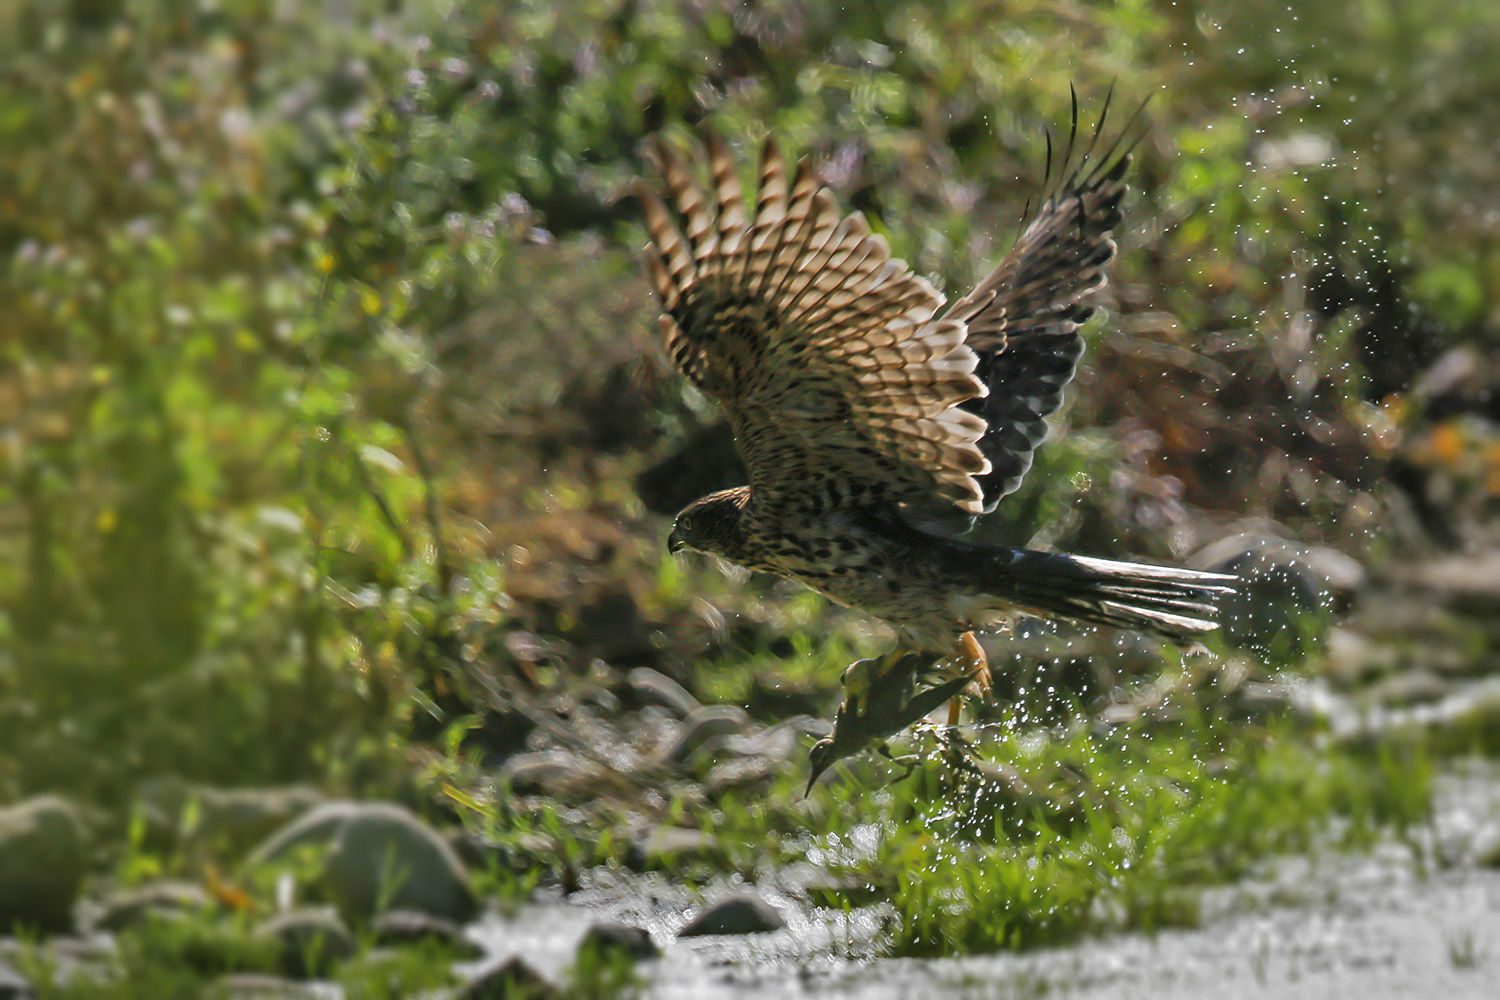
(1024, 317)
(823, 350)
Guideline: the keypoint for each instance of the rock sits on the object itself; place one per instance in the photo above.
(315, 829)
(228, 820)
(511, 979)
(171, 899)
(706, 724)
(541, 772)
(236, 819)
(605, 701)
(1354, 657)
(743, 914)
(609, 937)
(740, 773)
(377, 855)
(1410, 687)
(669, 847)
(404, 928)
(1486, 850)
(260, 986)
(42, 862)
(652, 687)
(1259, 701)
(1286, 591)
(311, 943)
(1469, 581)
(14, 986)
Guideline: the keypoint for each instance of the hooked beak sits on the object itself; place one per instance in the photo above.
(675, 543)
(819, 760)
(812, 779)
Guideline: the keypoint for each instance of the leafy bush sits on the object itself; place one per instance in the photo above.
(326, 369)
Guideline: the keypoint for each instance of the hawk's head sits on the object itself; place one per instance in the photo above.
(711, 525)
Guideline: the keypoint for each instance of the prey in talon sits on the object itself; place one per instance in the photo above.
(883, 709)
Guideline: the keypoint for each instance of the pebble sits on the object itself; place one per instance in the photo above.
(670, 847)
(14, 986)
(705, 724)
(403, 928)
(539, 772)
(171, 899)
(1409, 687)
(511, 979)
(742, 914)
(227, 820)
(607, 936)
(261, 986)
(313, 942)
(652, 687)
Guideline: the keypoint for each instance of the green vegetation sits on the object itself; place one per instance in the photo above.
(328, 380)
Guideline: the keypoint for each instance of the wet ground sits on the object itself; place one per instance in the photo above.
(1413, 919)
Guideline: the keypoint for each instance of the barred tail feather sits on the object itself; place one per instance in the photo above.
(1162, 599)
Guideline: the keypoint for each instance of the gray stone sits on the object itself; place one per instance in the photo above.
(314, 830)
(541, 772)
(1469, 580)
(606, 937)
(1354, 657)
(707, 723)
(403, 928)
(742, 914)
(261, 986)
(43, 856)
(1487, 849)
(171, 899)
(377, 856)
(1286, 589)
(312, 943)
(14, 986)
(511, 979)
(228, 820)
(740, 773)
(1410, 687)
(670, 847)
(651, 687)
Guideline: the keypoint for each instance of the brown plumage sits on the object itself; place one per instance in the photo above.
(866, 413)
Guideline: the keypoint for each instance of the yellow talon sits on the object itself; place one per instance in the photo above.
(976, 661)
(977, 665)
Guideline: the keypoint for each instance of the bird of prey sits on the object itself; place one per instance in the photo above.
(869, 414)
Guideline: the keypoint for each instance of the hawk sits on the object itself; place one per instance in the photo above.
(870, 415)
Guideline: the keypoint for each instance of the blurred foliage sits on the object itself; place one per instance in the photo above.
(326, 368)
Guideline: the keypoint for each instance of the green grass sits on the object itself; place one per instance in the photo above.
(1034, 837)
(165, 959)
(1158, 825)
(1084, 835)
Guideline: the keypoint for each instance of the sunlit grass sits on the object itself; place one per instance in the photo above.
(1091, 835)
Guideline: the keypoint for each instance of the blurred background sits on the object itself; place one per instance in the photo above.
(337, 439)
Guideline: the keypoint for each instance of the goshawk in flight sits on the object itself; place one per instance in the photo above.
(867, 413)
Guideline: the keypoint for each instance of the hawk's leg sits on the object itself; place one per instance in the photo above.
(976, 665)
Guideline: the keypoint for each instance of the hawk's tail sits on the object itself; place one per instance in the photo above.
(1161, 599)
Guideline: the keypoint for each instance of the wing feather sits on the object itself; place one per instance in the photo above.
(821, 347)
(1024, 318)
